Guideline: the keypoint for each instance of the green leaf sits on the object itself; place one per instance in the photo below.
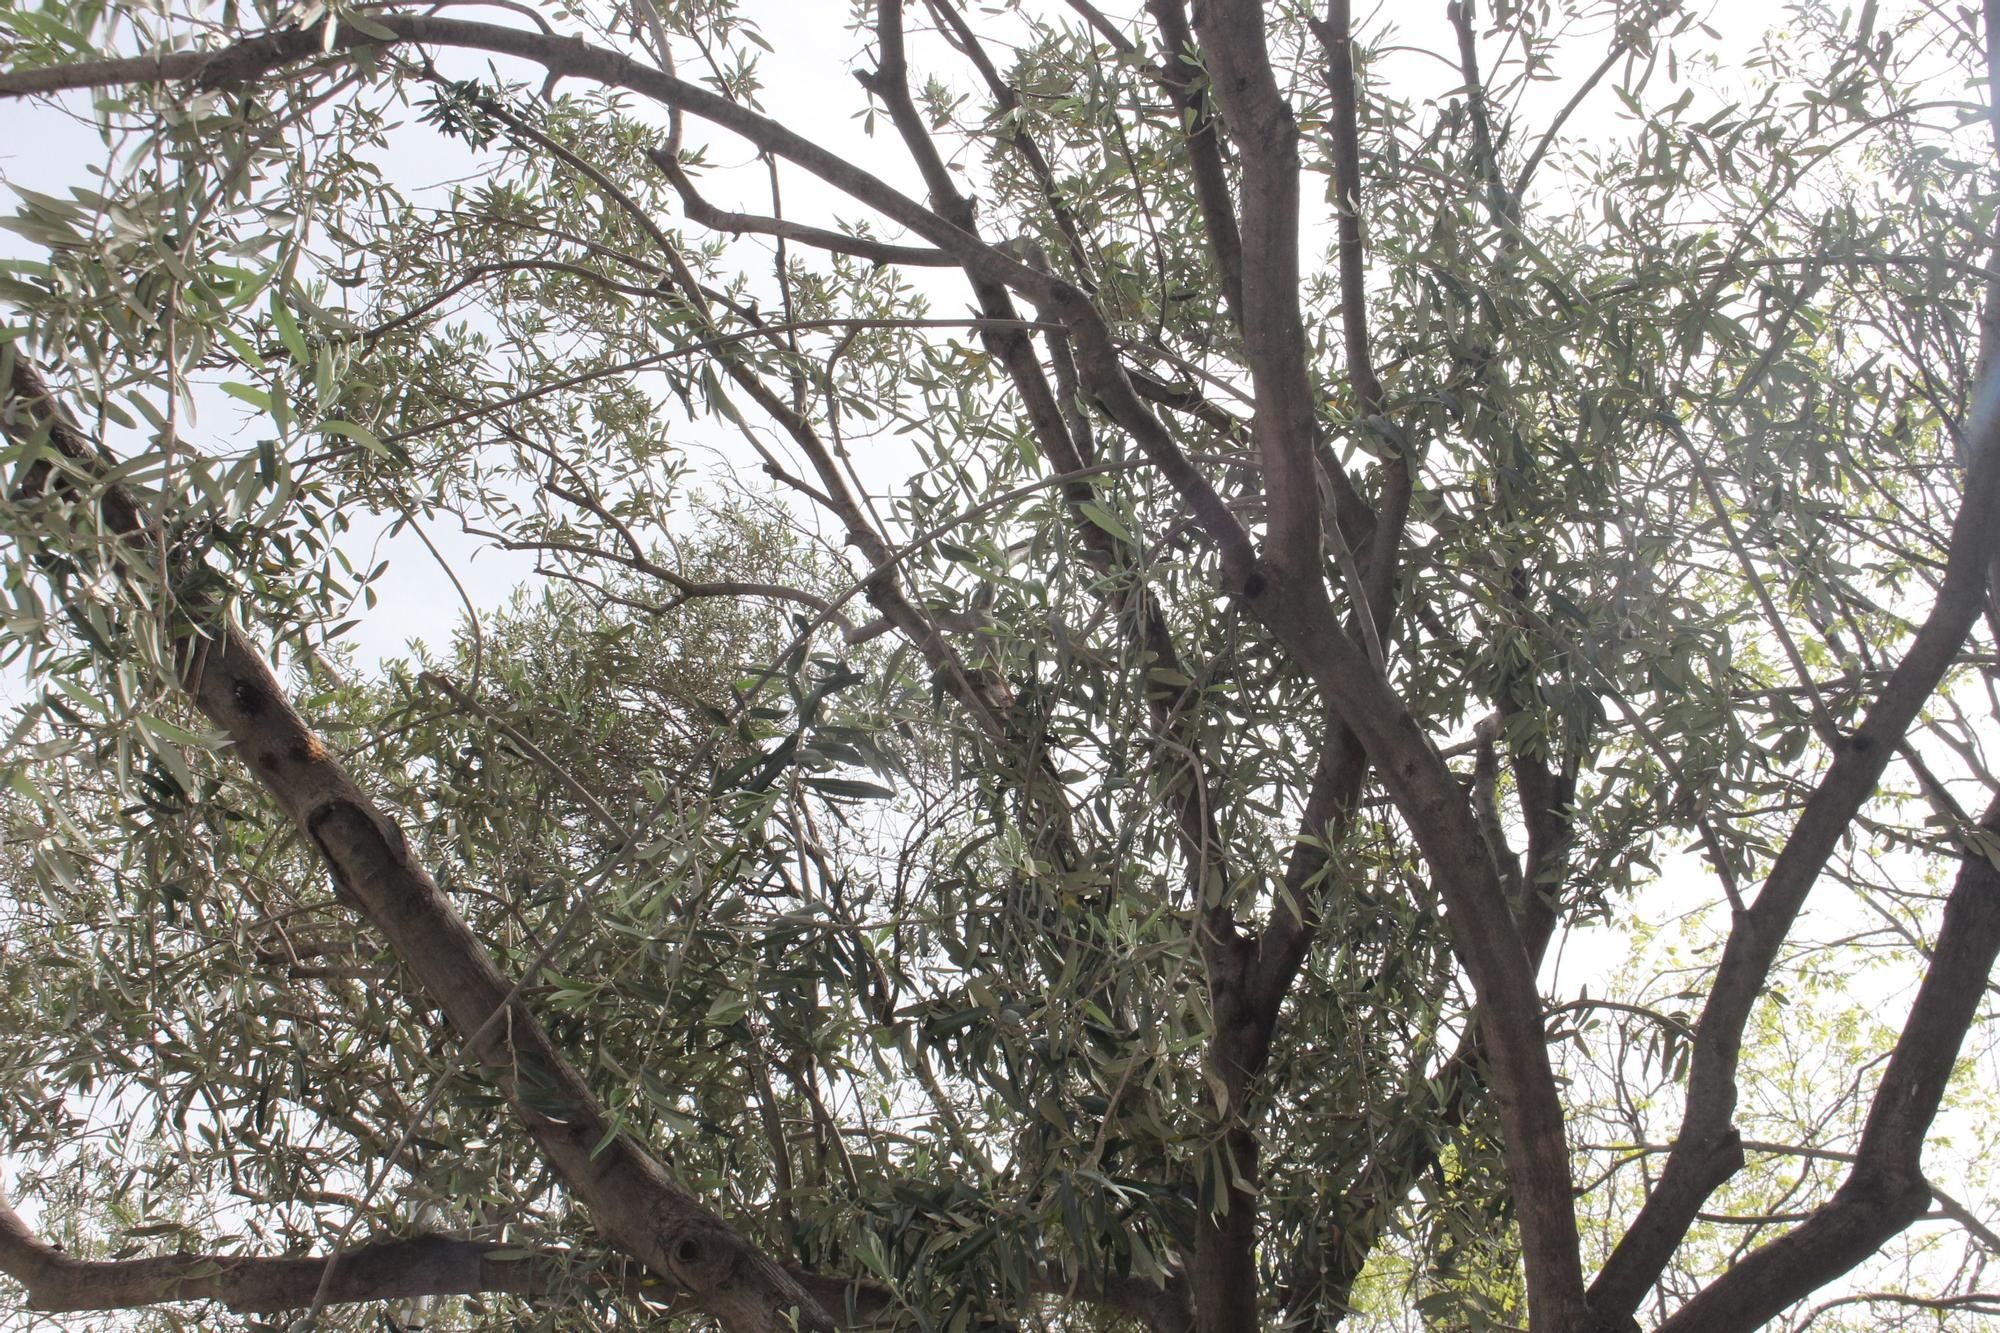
(1105, 519)
(288, 329)
(360, 434)
(249, 393)
(848, 787)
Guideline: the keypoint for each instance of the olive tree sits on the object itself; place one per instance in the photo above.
(1072, 687)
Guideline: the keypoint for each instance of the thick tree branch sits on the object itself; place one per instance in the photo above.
(1886, 1190)
(388, 1270)
(1484, 934)
(640, 1208)
(1243, 995)
(1398, 1160)
(1707, 1150)
(1260, 123)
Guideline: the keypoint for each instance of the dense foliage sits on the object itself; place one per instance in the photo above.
(1349, 682)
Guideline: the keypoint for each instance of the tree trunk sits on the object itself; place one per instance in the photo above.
(1225, 1246)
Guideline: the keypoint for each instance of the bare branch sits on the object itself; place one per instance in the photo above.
(708, 215)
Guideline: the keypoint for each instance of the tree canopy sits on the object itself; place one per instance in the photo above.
(1177, 667)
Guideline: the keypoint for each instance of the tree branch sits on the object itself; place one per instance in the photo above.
(1184, 79)
(388, 1270)
(639, 1206)
(1707, 1151)
(1260, 124)
(708, 215)
(1009, 102)
(1064, 440)
(1484, 934)
(1886, 1190)
(1097, 358)
(1335, 34)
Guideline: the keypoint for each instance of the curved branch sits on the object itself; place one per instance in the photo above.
(1097, 358)
(708, 215)
(562, 57)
